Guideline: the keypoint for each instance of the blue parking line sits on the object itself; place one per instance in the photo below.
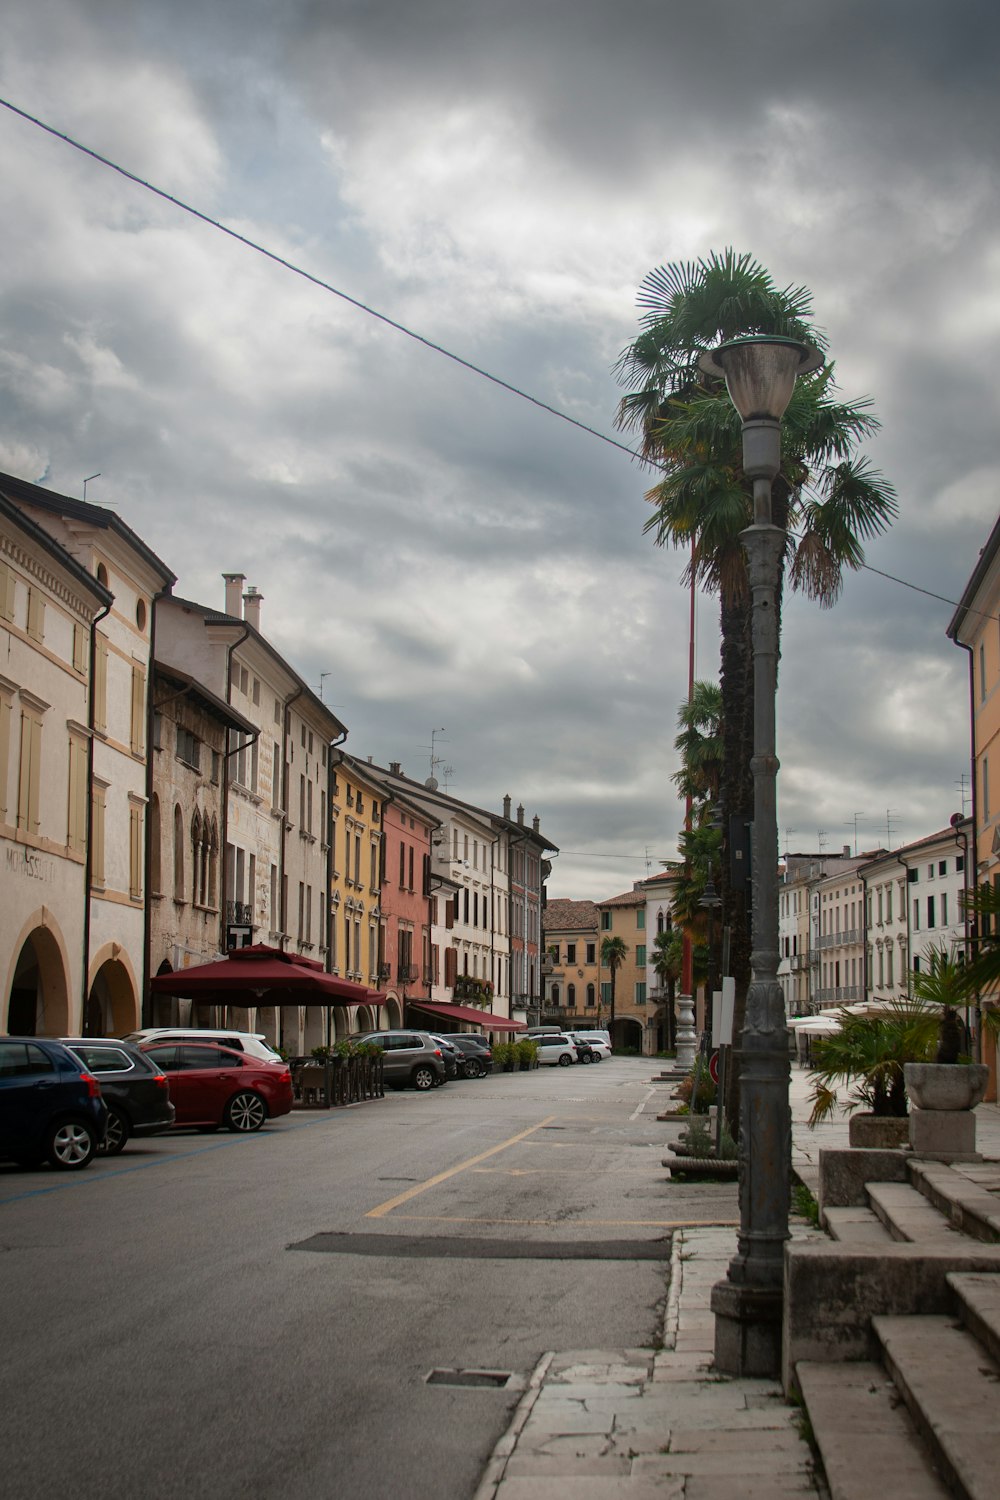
(85, 1179)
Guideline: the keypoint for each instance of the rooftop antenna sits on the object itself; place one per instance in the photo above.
(858, 818)
(890, 826)
(87, 481)
(322, 678)
(787, 832)
(448, 773)
(963, 785)
(435, 759)
(821, 839)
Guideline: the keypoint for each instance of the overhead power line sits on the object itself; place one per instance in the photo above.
(381, 317)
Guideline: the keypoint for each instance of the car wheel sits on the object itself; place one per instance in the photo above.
(70, 1146)
(246, 1112)
(586, 1057)
(565, 1060)
(424, 1078)
(116, 1136)
(471, 1069)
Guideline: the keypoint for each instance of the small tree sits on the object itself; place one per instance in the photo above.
(614, 951)
(668, 956)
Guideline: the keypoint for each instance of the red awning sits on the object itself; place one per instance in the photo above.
(265, 976)
(468, 1014)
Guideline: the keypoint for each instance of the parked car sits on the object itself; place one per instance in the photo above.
(595, 1040)
(477, 1056)
(451, 1055)
(133, 1087)
(411, 1057)
(50, 1104)
(554, 1048)
(250, 1042)
(212, 1086)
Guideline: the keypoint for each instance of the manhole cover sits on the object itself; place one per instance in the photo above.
(495, 1378)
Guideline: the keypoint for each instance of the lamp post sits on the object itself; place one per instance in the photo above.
(760, 374)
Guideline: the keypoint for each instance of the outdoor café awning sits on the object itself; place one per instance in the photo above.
(469, 1015)
(263, 976)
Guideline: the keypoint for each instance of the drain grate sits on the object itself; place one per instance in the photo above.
(496, 1379)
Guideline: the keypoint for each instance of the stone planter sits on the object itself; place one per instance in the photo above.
(943, 1097)
(878, 1132)
(946, 1085)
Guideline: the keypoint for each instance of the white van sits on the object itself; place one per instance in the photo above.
(250, 1042)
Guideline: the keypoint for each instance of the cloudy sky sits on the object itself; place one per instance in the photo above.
(499, 177)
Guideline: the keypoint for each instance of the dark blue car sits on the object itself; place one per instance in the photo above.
(50, 1105)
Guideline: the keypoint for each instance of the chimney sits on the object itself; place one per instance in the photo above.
(520, 812)
(234, 588)
(535, 822)
(506, 807)
(394, 768)
(251, 607)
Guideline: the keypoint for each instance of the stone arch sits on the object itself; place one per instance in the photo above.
(393, 1013)
(36, 1001)
(112, 994)
(628, 1035)
(366, 1019)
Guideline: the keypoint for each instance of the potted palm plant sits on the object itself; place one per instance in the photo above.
(869, 1055)
(950, 1081)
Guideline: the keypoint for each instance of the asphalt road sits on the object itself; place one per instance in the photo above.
(255, 1317)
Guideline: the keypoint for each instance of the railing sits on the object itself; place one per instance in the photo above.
(326, 1083)
(838, 996)
(840, 939)
(239, 913)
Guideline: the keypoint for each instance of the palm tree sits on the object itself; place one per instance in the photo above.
(699, 744)
(829, 499)
(614, 951)
(667, 960)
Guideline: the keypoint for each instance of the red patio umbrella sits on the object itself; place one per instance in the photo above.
(266, 976)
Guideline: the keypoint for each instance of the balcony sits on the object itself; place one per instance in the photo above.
(842, 939)
(239, 914)
(406, 973)
(480, 991)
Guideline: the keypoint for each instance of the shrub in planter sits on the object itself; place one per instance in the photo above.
(527, 1052)
(696, 1090)
(867, 1056)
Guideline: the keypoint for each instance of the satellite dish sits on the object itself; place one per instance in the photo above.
(431, 784)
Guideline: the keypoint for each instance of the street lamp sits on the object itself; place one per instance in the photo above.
(760, 374)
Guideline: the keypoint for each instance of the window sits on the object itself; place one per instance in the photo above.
(135, 851)
(591, 953)
(916, 914)
(79, 649)
(188, 748)
(640, 955)
(605, 921)
(97, 810)
(640, 992)
(256, 690)
(154, 845)
(930, 912)
(29, 771)
(178, 853)
(571, 996)
(6, 593)
(36, 614)
(591, 1000)
(944, 909)
(76, 820)
(640, 919)
(942, 867)
(982, 674)
(555, 994)
(888, 967)
(100, 687)
(986, 786)
(960, 863)
(571, 953)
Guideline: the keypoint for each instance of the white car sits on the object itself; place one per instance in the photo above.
(554, 1050)
(250, 1042)
(596, 1041)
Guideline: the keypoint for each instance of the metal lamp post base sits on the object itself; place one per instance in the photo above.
(748, 1322)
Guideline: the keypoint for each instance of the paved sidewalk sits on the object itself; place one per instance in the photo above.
(644, 1424)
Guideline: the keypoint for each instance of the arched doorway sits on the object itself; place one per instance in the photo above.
(393, 1014)
(628, 1036)
(39, 993)
(112, 1005)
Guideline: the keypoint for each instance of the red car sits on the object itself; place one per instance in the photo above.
(211, 1086)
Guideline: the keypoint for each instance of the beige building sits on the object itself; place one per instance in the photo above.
(48, 607)
(570, 931)
(624, 916)
(116, 734)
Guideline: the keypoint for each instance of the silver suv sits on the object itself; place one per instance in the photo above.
(410, 1057)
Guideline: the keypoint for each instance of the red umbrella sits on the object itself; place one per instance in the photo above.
(267, 975)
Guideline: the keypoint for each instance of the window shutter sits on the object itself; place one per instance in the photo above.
(138, 710)
(450, 965)
(6, 593)
(100, 684)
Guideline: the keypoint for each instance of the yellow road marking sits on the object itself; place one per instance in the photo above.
(421, 1187)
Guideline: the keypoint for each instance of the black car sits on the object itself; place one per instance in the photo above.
(135, 1090)
(477, 1058)
(50, 1105)
(450, 1055)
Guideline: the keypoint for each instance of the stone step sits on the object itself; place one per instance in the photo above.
(856, 1226)
(869, 1445)
(908, 1215)
(977, 1296)
(965, 1203)
(950, 1386)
